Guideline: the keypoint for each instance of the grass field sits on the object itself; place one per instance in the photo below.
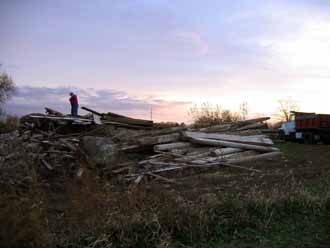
(286, 205)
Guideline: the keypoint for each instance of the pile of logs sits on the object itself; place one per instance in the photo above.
(170, 149)
(118, 120)
(180, 148)
(56, 121)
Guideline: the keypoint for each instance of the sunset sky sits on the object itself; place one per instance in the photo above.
(127, 56)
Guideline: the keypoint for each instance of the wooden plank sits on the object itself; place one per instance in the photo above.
(68, 145)
(91, 111)
(64, 118)
(129, 147)
(119, 124)
(255, 120)
(80, 172)
(97, 119)
(120, 170)
(232, 144)
(168, 138)
(112, 117)
(192, 157)
(53, 112)
(255, 157)
(223, 158)
(46, 164)
(138, 179)
(253, 126)
(225, 151)
(161, 132)
(254, 140)
(128, 120)
(170, 146)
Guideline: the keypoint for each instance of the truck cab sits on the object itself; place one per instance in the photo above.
(287, 131)
(307, 128)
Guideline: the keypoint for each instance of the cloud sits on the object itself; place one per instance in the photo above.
(194, 41)
(33, 100)
(219, 51)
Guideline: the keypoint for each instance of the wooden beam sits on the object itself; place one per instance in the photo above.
(254, 139)
(119, 124)
(256, 120)
(92, 111)
(254, 157)
(192, 157)
(170, 146)
(168, 138)
(225, 151)
(112, 117)
(162, 131)
(232, 144)
(53, 112)
(128, 120)
(223, 157)
(252, 126)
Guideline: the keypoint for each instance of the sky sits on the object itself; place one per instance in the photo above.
(131, 56)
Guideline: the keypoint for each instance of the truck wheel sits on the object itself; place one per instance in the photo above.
(281, 135)
(308, 138)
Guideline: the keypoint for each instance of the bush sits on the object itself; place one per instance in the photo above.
(7, 88)
(207, 115)
(9, 124)
(22, 221)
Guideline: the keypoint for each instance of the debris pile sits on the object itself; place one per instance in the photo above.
(134, 149)
(27, 154)
(55, 121)
(182, 149)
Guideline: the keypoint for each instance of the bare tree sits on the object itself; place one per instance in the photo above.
(7, 88)
(208, 115)
(243, 109)
(286, 107)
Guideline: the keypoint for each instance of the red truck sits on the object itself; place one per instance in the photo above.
(308, 128)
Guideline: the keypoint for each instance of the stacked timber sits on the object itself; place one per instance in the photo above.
(55, 120)
(188, 150)
(156, 152)
(120, 120)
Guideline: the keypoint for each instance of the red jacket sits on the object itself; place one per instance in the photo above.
(74, 100)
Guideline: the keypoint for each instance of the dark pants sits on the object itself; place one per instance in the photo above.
(74, 109)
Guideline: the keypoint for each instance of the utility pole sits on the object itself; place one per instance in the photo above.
(151, 112)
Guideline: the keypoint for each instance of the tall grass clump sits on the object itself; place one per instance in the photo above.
(157, 218)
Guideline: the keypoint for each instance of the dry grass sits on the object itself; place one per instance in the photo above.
(157, 217)
(228, 209)
(92, 216)
(10, 124)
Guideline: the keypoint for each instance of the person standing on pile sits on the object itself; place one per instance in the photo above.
(74, 104)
